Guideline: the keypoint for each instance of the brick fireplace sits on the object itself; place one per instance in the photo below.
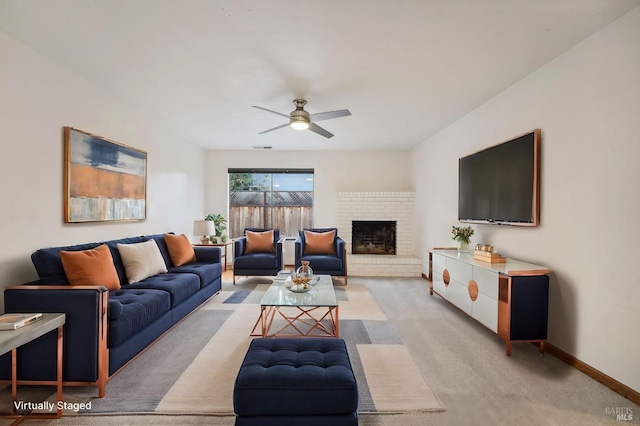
(396, 207)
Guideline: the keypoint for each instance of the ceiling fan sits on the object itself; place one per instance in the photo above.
(300, 119)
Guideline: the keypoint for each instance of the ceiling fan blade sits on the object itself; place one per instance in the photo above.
(274, 112)
(319, 130)
(329, 115)
(275, 128)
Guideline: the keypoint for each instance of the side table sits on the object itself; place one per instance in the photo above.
(10, 340)
(224, 252)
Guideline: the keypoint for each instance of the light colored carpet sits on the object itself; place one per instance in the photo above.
(216, 366)
(465, 365)
(395, 382)
(192, 369)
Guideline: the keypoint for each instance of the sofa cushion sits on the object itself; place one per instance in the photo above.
(49, 265)
(259, 242)
(180, 286)
(114, 309)
(90, 267)
(141, 260)
(323, 262)
(137, 309)
(207, 272)
(180, 249)
(256, 261)
(319, 242)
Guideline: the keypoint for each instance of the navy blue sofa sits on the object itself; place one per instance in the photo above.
(323, 264)
(106, 329)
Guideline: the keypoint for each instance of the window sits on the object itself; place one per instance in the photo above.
(270, 198)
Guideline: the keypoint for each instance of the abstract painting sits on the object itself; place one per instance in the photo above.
(104, 180)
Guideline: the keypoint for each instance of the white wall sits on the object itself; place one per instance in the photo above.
(587, 103)
(39, 97)
(340, 171)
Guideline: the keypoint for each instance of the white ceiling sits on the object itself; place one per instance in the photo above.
(405, 69)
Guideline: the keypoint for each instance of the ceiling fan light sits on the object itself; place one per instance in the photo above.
(300, 125)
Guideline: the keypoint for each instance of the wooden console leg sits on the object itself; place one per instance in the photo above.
(508, 347)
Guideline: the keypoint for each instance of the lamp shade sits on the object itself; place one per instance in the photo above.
(204, 227)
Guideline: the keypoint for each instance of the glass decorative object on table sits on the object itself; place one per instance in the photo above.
(302, 277)
(304, 272)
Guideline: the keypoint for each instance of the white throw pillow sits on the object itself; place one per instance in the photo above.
(141, 260)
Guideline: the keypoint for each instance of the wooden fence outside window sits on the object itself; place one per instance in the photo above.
(288, 211)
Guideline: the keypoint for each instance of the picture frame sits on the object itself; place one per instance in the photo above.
(103, 180)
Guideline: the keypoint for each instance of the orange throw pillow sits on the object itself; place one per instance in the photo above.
(259, 242)
(90, 267)
(180, 249)
(319, 242)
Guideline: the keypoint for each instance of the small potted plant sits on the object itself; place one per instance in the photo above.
(220, 223)
(463, 236)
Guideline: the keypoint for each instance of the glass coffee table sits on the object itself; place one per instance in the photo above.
(284, 313)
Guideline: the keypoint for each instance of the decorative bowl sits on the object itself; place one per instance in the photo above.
(299, 288)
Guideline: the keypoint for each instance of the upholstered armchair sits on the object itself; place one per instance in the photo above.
(325, 251)
(257, 253)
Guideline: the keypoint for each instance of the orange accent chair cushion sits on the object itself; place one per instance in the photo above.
(260, 242)
(319, 242)
(90, 267)
(180, 249)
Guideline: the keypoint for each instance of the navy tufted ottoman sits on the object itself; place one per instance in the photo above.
(296, 381)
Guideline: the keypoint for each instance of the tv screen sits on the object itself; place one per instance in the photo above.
(500, 184)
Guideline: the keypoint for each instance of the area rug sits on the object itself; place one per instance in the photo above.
(192, 369)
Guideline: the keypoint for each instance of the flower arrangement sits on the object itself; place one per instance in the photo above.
(462, 234)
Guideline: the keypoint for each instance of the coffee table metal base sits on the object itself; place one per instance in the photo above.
(299, 321)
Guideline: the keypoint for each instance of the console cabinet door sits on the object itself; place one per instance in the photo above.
(458, 294)
(485, 311)
(439, 264)
(487, 282)
(485, 307)
(460, 274)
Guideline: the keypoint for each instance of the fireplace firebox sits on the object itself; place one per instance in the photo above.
(373, 237)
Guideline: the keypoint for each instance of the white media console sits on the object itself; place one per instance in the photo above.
(511, 298)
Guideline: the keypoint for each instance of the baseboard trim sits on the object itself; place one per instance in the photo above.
(595, 374)
(619, 388)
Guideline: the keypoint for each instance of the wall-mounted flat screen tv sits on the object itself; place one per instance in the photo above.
(501, 184)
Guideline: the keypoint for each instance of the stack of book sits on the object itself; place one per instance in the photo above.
(282, 276)
(15, 321)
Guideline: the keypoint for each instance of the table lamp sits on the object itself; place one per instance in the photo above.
(204, 228)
